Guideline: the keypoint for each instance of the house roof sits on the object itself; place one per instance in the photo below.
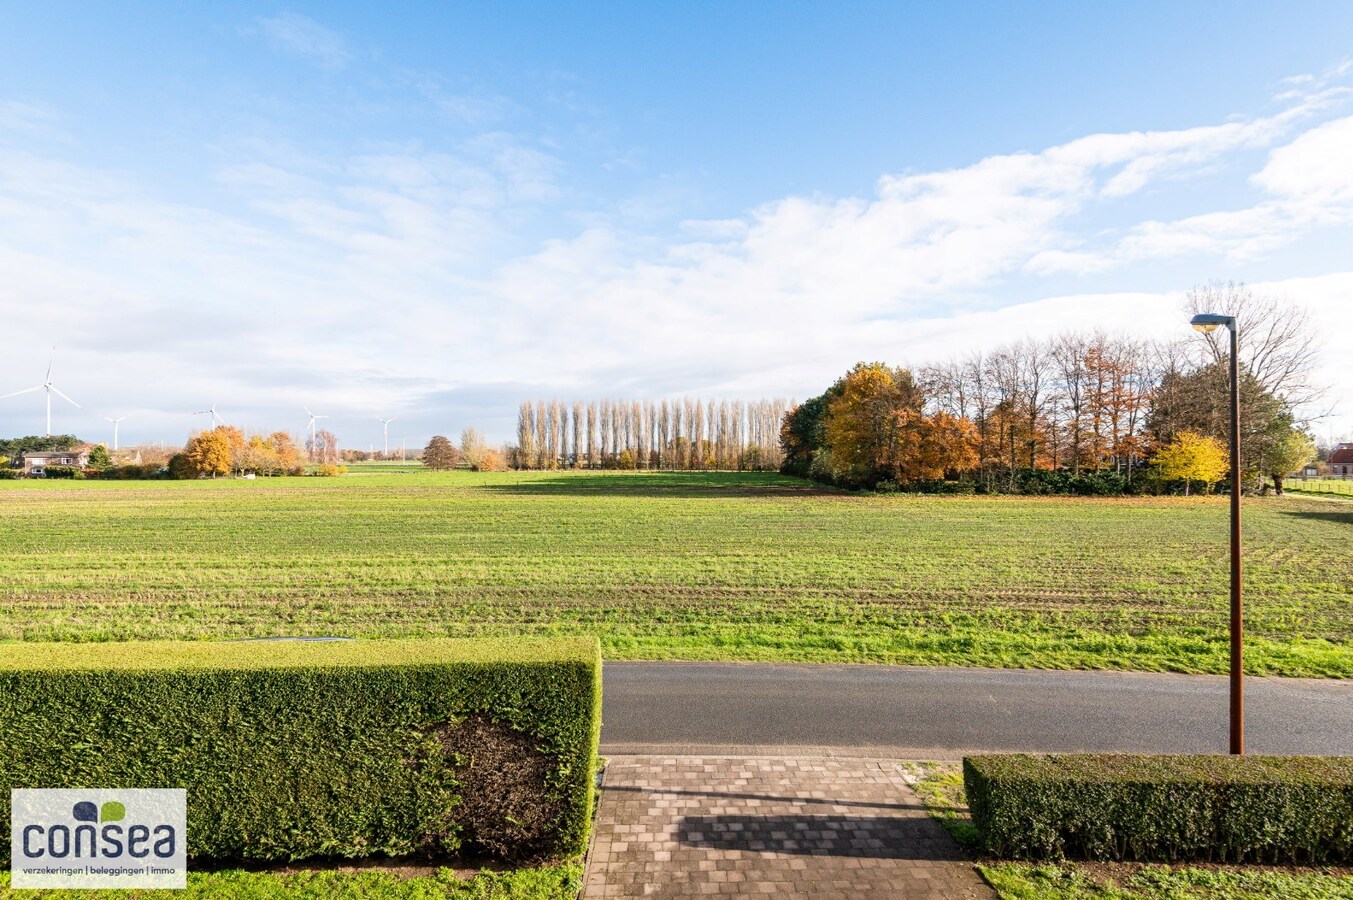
(73, 451)
(1344, 454)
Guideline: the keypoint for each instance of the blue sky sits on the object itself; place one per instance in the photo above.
(435, 210)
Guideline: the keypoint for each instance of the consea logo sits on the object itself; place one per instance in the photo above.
(98, 838)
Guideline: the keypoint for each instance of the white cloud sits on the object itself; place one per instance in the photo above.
(1308, 183)
(1315, 170)
(26, 118)
(388, 279)
(303, 37)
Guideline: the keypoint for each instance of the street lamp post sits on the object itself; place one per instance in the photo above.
(1208, 322)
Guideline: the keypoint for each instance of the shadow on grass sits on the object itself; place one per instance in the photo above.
(708, 485)
(1340, 516)
(871, 837)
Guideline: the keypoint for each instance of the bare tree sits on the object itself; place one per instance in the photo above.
(979, 389)
(577, 434)
(593, 451)
(542, 435)
(1068, 355)
(654, 448)
(605, 423)
(691, 412)
(1278, 341)
(526, 436)
(474, 449)
(640, 435)
(698, 442)
(1005, 372)
(325, 447)
(944, 387)
(619, 413)
(665, 435)
(1035, 377)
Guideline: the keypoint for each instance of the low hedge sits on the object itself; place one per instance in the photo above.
(293, 750)
(1277, 809)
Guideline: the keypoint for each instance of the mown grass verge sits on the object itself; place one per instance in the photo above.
(562, 882)
(1026, 881)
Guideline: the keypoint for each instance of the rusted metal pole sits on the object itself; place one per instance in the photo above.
(1237, 626)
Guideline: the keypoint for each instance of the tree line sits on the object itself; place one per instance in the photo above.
(474, 453)
(10, 448)
(226, 450)
(645, 434)
(1079, 412)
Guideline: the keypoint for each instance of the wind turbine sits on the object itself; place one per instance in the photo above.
(49, 388)
(114, 421)
(385, 423)
(313, 417)
(215, 419)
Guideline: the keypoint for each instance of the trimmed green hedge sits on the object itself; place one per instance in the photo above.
(290, 750)
(1221, 808)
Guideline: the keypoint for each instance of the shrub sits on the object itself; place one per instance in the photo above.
(943, 487)
(820, 467)
(62, 472)
(1216, 808)
(1098, 484)
(179, 466)
(291, 750)
(133, 471)
(329, 470)
(487, 460)
(10, 474)
(1042, 481)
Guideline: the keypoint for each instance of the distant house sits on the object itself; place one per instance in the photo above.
(1341, 460)
(36, 462)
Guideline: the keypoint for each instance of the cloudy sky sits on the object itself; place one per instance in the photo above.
(432, 211)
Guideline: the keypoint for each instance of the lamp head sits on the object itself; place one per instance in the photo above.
(1209, 322)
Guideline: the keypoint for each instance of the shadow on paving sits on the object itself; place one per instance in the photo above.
(871, 837)
(768, 798)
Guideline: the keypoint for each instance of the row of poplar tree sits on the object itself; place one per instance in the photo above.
(636, 434)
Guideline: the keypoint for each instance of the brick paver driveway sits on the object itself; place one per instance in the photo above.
(821, 828)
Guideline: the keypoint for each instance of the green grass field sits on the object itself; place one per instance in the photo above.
(1341, 487)
(695, 566)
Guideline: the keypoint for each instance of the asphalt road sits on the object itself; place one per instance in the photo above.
(903, 711)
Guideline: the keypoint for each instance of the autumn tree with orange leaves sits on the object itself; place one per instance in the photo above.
(209, 452)
(876, 429)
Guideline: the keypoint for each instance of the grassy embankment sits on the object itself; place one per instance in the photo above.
(695, 566)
